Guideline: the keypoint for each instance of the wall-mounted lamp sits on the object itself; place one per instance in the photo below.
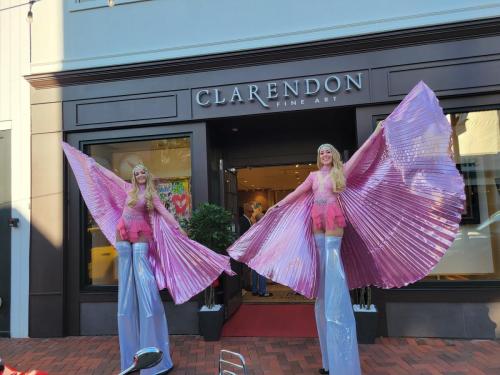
(29, 16)
(13, 222)
(111, 3)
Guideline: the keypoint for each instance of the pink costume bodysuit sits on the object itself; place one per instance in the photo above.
(326, 212)
(135, 221)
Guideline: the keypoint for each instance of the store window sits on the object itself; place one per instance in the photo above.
(475, 254)
(169, 161)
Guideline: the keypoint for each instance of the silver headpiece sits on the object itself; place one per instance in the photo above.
(326, 146)
(138, 167)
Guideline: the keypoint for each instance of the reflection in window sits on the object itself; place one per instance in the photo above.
(475, 254)
(169, 161)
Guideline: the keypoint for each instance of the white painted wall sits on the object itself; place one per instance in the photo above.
(146, 30)
(15, 115)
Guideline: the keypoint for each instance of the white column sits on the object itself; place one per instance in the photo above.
(15, 115)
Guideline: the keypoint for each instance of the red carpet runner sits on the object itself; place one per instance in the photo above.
(272, 321)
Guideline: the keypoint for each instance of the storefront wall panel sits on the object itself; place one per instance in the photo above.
(100, 318)
(441, 319)
(46, 303)
(464, 74)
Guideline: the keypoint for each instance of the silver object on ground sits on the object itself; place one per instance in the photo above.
(144, 358)
(233, 360)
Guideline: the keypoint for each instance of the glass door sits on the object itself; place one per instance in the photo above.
(229, 200)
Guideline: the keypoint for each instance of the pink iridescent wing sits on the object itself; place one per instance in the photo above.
(404, 197)
(280, 246)
(104, 193)
(181, 265)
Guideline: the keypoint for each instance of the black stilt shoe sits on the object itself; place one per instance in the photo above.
(323, 371)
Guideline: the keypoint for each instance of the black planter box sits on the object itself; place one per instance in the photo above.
(211, 322)
(366, 324)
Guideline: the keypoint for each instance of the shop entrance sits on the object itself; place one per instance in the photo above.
(259, 188)
(259, 160)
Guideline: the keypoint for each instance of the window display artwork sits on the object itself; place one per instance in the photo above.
(176, 196)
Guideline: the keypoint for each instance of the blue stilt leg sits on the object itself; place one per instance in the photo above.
(343, 356)
(152, 320)
(128, 323)
(319, 306)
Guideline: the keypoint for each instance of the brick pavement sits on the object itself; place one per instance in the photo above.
(265, 356)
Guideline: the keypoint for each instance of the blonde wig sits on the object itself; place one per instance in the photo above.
(149, 191)
(337, 171)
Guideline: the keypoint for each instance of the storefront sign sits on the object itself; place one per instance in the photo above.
(306, 92)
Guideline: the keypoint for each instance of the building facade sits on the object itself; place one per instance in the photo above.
(15, 161)
(250, 87)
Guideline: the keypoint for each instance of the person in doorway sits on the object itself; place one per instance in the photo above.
(259, 282)
(395, 207)
(153, 253)
(245, 221)
(257, 212)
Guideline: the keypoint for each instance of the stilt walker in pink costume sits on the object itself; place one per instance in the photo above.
(153, 253)
(395, 206)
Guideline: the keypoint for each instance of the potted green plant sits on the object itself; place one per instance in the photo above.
(366, 316)
(210, 225)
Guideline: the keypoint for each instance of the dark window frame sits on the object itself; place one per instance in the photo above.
(85, 287)
(366, 122)
(76, 291)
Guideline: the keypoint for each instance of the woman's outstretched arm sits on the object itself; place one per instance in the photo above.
(169, 218)
(351, 164)
(301, 189)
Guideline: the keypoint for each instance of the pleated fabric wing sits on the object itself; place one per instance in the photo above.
(404, 197)
(280, 246)
(181, 265)
(403, 204)
(104, 192)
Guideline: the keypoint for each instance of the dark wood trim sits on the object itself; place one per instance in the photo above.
(454, 293)
(340, 46)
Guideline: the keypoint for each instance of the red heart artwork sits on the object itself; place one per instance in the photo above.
(180, 202)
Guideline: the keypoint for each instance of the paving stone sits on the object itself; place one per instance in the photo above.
(264, 355)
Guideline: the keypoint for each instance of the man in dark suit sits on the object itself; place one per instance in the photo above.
(245, 221)
(244, 224)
